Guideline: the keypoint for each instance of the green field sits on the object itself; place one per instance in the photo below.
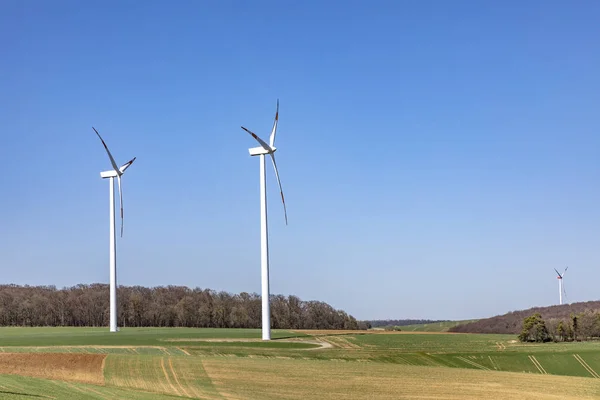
(18, 387)
(434, 327)
(234, 363)
(127, 336)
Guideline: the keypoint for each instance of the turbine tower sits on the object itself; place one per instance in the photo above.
(261, 151)
(116, 172)
(561, 288)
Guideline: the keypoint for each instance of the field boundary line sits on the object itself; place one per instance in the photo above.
(585, 365)
(102, 368)
(473, 363)
(192, 388)
(177, 379)
(219, 394)
(538, 365)
(162, 364)
(183, 351)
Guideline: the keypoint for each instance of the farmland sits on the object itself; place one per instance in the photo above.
(152, 363)
(435, 326)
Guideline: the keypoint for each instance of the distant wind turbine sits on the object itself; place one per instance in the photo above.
(261, 151)
(561, 288)
(116, 172)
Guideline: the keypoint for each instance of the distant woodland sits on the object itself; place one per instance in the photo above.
(379, 323)
(554, 316)
(168, 306)
(580, 327)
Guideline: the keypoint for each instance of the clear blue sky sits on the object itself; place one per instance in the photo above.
(439, 158)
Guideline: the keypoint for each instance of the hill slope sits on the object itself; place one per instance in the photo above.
(380, 323)
(444, 326)
(512, 322)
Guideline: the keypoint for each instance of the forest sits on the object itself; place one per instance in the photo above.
(582, 326)
(512, 322)
(163, 306)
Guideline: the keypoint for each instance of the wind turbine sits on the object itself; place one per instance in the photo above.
(116, 172)
(261, 151)
(561, 288)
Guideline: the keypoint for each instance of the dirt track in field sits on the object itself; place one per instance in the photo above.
(85, 368)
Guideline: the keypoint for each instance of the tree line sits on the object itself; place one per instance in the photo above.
(512, 322)
(582, 326)
(162, 306)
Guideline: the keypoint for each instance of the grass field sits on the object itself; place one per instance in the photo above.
(127, 336)
(234, 364)
(434, 327)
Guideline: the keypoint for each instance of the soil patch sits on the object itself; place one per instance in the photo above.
(86, 368)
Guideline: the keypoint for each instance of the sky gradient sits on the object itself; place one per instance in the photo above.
(439, 159)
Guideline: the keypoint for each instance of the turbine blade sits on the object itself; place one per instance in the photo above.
(558, 273)
(112, 160)
(120, 202)
(565, 271)
(259, 140)
(280, 189)
(274, 130)
(127, 165)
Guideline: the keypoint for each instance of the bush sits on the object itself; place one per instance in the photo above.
(534, 330)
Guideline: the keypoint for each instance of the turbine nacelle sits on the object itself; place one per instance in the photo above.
(559, 275)
(259, 151)
(109, 174)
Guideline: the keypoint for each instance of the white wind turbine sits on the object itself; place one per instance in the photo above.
(261, 151)
(116, 172)
(561, 288)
